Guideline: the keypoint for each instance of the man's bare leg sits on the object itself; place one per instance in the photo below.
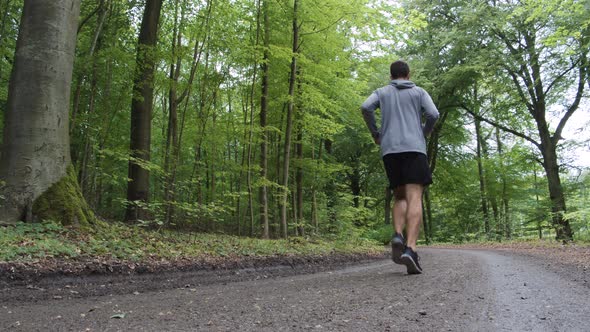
(413, 217)
(400, 209)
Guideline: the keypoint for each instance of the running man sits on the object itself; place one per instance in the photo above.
(403, 148)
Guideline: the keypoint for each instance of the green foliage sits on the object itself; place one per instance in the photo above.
(382, 234)
(578, 212)
(35, 241)
(10, 13)
(28, 242)
(455, 53)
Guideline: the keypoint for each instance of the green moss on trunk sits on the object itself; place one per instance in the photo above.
(64, 203)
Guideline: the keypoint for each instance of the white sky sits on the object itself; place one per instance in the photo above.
(576, 130)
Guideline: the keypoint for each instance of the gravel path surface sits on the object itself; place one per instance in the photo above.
(460, 290)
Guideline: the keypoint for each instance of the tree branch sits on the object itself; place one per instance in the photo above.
(524, 72)
(87, 18)
(527, 102)
(504, 128)
(323, 29)
(574, 106)
(560, 76)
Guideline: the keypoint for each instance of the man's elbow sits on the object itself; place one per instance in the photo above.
(366, 111)
(434, 116)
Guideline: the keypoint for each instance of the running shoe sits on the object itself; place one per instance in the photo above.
(410, 259)
(398, 246)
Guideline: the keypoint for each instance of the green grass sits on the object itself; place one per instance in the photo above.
(31, 242)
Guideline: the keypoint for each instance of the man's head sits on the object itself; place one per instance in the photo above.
(399, 70)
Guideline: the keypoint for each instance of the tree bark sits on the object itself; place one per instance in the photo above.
(36, 145)
(251, 126)
(249, 154)
(428, 207)
(299, 179)
(480, 171)
(141, 113)
(172, 145)
(290, 111)
(263, 191)
(354, 176)
(558, 207)
(507, 229)
(432, 154)
(86, 152)
(314, 202)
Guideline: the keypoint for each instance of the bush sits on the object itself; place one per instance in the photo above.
(380, 234)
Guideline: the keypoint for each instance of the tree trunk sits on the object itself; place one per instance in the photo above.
(86, 152)
(290, 111)
(388, 210)
(538, 216)
(263, 191)
(251, 126)
(558, 207)
(428, 207)
(548, 147)
(488, 184)
(35, 163)
(172, 136)
(299, 179)
(249, 156)
(294, 210)
(314, 202)
(480, 172)
(141, 113)
(355, 180)
(432, 153)
(507, 229)
(102, 11)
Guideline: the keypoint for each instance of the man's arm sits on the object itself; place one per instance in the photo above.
(430, 113)
(368, 108)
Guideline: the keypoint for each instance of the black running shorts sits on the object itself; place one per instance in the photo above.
(407, 167)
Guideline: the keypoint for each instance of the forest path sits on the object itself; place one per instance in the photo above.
(460, 290)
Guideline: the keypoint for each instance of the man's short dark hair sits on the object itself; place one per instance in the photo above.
(399, 69)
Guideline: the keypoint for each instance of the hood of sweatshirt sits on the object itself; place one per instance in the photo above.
(403, 84)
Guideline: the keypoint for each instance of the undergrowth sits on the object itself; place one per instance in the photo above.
(29, 242)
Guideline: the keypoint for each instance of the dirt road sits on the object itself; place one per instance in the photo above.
(460, 290)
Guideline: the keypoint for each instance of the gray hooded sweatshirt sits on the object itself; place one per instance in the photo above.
(402, 105)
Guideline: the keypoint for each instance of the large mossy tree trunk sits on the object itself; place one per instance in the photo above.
(38, 181)
(64, 202)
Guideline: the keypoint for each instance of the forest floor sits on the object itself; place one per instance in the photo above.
(296, 256)
(32, 253)
(484, 287)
